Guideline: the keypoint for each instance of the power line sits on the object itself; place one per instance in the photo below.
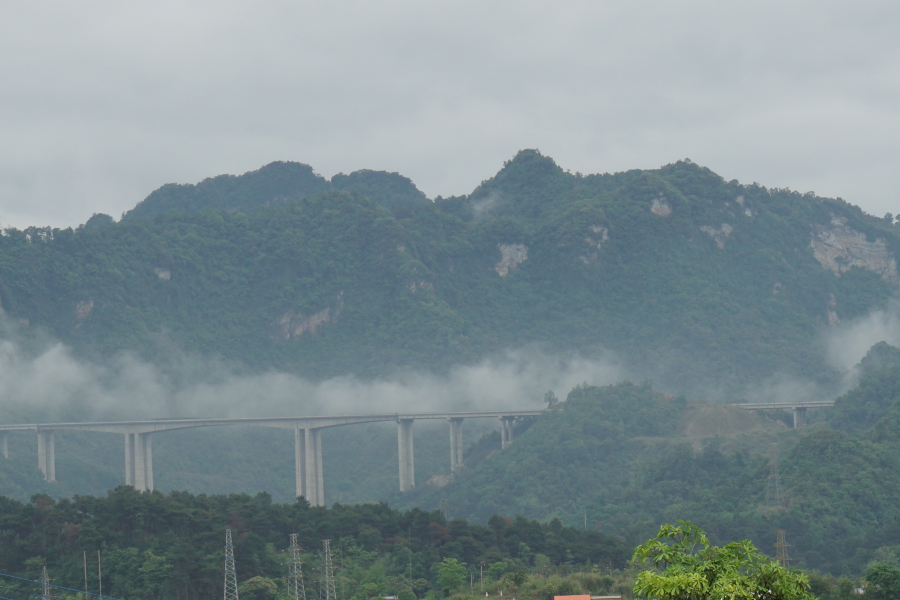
(6, 587)
(59, 587)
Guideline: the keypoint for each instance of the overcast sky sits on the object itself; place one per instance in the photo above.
(102, 102)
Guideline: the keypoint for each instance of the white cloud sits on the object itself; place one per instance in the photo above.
(55, 385)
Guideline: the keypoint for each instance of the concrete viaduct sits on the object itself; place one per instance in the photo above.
(307, 443)
(799, 408)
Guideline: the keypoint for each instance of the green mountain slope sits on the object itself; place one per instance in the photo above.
(626, 459)
(703, 284)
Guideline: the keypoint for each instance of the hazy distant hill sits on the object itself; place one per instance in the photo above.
(703, 284)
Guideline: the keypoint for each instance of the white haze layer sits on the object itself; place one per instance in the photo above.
(55, 384)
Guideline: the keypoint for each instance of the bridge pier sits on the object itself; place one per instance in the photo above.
(139, 461)
(47, 455)
(406, 457)
(506, 432)
(799, 417)
(456, 444)
(4, 443)
(299, 461)
(312, 455)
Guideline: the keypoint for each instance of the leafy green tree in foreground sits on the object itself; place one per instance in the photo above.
(451, 575)
(688, 568)
(883, 582)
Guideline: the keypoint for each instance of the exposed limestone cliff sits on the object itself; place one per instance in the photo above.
(839, 248)
(512, 256)
(720, 234)
(660, 206)
(292, 325)
(601, 234)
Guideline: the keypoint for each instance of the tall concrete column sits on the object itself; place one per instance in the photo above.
(405, 454)
(799, 417)
(320, 474)
(299, 461)
(129, 459)
(315, 488)
(140, 472)
(47, 455)
(506, 432)
(148, 461)
(456, 444)
(139, 461)
(4, 443)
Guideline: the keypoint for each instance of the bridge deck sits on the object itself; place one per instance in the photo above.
(318, 422)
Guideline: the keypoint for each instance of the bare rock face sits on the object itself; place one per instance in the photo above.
(839, 248)
(291, 325)
(164, 274)
(594, 242)
(512, 255)
(660, 206)
(720, 234)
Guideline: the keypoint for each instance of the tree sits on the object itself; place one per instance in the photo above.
(551, 399)
(883, 582)
(689, 568)
(451, 575)
(258, 588)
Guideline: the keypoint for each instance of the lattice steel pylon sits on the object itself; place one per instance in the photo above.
(45, 584)
(781, 554)
(774, 493)
(295, 572)
(231, 590)
(327, 591)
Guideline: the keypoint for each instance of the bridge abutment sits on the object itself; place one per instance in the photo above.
(406, 455)
(799, 417)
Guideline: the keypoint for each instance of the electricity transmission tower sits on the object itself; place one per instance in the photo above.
(774, 493)
(295, 572)
(781, 547)
(231, 591)
(45, 584)
(327, 592)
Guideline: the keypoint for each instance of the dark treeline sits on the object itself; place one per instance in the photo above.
(171, 546)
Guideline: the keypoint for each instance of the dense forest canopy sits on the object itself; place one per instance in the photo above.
(703, 284)
(170, 546)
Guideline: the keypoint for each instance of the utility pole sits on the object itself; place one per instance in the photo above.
(45, 584)
(85, 575)
(295, 572)
(328, 572)
(99, 573)
(481, 564)
(231, 590)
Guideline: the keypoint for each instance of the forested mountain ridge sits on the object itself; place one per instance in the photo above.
(626, 459)
(701, 283)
